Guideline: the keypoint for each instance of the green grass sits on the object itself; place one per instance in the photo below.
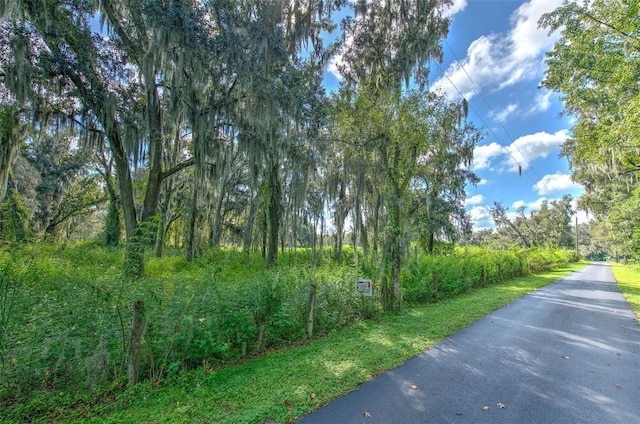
(288, 383)
(628, 278)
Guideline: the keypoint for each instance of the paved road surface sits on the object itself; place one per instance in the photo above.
(567, 353)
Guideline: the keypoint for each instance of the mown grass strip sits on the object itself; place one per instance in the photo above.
(628, 278)
(289, 383)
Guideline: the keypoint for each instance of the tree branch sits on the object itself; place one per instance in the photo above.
(179, 167)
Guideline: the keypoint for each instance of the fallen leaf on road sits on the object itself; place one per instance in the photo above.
(619, 386)
(502, 405)
(414, 387)
(367, 414)
(485, 408)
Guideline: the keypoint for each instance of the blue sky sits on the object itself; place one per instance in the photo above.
(494, 57)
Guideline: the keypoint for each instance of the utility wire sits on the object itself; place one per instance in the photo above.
(493, 115)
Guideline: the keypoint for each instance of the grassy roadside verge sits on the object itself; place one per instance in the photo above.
(628, 278)
(289, 383)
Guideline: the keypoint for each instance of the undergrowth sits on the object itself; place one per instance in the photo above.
(67, 312)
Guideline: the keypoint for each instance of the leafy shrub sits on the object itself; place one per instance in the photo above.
(67, 311)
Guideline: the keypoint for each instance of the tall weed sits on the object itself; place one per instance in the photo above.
(67, 311)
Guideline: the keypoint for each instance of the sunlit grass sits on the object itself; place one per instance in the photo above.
(291, 382)
(628, 278)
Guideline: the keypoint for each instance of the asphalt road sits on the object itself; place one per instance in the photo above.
(567, 353)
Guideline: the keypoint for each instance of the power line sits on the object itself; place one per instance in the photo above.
(524, 157)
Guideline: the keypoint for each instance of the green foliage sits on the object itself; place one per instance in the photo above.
(594, 66)
(432, 278)
(14, 218)
(304, 377)
(66, 311)
(112, 229)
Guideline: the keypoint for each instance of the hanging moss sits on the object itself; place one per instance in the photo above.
(14, 218)
(113, 228)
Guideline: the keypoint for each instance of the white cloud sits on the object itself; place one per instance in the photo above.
(456, 7)
(333, 67)
(542, 102)
(474, 200)
(521, 153)
(482, 155)
(506, 112)
(518, 204)
(497, 61)
(527, 39)
(584, 217)
(481, 218)
(337, 61)
(553, 183)
(524, 150)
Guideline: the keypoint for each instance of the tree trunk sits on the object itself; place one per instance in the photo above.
(273, 213)
(112, 224)
(395, 229)
(314, 240)
(356, 229)
(137, 332)
(217, 219)
(160, 235)
(339, 222)
(430, 242)
(376, 222)
(396, 265)
(311, 310)
(8, 145)
(364, 240)
(322, 225)
(248, 232)
(264, 231)
(134, 255)
(154, 121)
(192, 224)
(395, 247)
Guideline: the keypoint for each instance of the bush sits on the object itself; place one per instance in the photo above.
(66, 310)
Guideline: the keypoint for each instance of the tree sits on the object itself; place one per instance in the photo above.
(11, 137)
(387, 44)
(594, 65)
(129, 79)
(402, 139)
(391, 42)
(551, 225)
(57, 167)
(500, 216)
(279, 104)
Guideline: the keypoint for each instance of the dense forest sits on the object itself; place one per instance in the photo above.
(186, 129)
(204, 124)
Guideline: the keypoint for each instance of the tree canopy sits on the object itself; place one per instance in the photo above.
(207, 123)
(595, 67)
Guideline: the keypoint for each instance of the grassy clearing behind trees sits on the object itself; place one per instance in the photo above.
(66, 314)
